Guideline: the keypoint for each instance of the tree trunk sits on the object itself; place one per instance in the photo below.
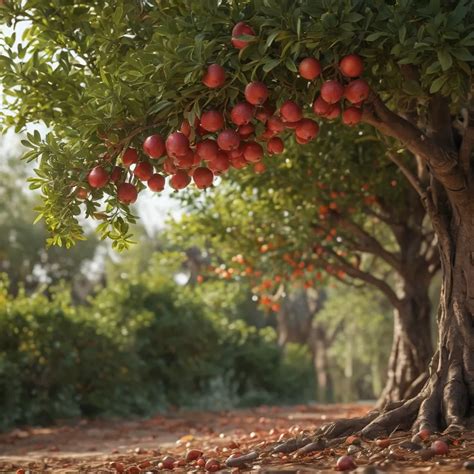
(318, 342)
(412, 348)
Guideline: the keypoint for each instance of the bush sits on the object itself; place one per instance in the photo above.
(138, 346)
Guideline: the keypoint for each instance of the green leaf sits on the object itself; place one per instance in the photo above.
(445, 59)
(290, 64)
(376, 36)
(271, 64)
(437, 84)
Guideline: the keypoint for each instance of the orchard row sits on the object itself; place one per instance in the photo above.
(219, 140)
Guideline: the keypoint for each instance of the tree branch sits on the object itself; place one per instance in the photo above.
(412, 179)
(383, 286)
(467, 143)
(442, 161)
(368, 243)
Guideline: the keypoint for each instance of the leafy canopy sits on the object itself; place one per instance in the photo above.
(102, 75)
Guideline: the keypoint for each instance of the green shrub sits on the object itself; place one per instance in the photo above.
(138, 346)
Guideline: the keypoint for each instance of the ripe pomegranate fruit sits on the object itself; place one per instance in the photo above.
(239, 151)
(357, 91)
(168, 462)
(307, 129)
(345, 463)
(143, 171)
(238, 162)
(127, 193)
(185, 128)
(207, 149)
(333, 112)
(203, 177)
(221, 163)
(246, 130)
(193, 454)
(154, 146)
(332, 91)
(214, 76)
(301, 141)
(259, 168)
(177, 144)
(291, 112)
(130, 156)
(98, 177)
(82, 193)
(439, 447)
(253, 152)
(186, 161)
(309, 68)
(351, 65)
(241, 29)
(274, 124)
(212, 465)
(116, 174)
(321, 107)
(275, 146)
(256, 93)
(228, 140)
(242, 113)
(265, 111)
(351, 116)
(180, 180)
(212, 120)
(169, 167)
(156, 183)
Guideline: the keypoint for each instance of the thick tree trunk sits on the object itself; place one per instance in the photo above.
(412, 348)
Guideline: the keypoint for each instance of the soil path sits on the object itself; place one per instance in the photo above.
(139, 445)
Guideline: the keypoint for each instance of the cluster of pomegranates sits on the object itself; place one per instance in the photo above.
(218, 141)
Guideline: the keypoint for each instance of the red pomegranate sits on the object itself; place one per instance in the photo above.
(177, 144)
(241, 29)
(259, 168)
(253, 152)
(275, 146)
(156, 183)
(246, 130)
(291, 112)
(180, 180)
(214, 76)
(127, 193)
(130, 156)
(185, 128)
(239, 162)
(169, 167)
(186, 161)
(320, 106)
(256, 93)
(274, 124)
(98, 177)
(82, 193)
(239, 151)
(207, 149)
(143, 171)
(203, 177)
(242, 113)
(265, 111)
(116, 174)
(301, 141)
(154, 146)
(357, 91)
(351, 65)
(351, 116)
(309, 68)
(307, 129)
(212, 120)
(221, 163)
(333, 112)
(332, 91)
(228, 140)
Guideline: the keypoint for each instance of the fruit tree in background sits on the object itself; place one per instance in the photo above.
(105, 76)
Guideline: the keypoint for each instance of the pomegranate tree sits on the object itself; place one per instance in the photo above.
(139, 71)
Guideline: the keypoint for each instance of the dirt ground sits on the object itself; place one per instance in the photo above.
(140, 445)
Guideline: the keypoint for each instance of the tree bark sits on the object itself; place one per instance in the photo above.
(412, 349)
